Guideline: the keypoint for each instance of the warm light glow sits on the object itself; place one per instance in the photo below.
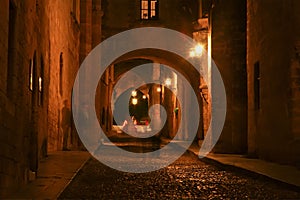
(31, 83)
(192, 53)
(40, 84)
(133, 93)
(158, 89)
(134, 101)
(149, 9)
(198, 49)
(168, 82)
(31, 76)
(144, 97)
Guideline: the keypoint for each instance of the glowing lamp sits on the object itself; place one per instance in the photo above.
(134, 101)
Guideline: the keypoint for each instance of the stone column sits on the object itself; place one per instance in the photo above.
(156, 98)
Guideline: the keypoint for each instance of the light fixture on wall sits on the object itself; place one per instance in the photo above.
(158, 89)
(197, 50)
(168, 82)
(134, 93)
(134, 101)
(192, 53)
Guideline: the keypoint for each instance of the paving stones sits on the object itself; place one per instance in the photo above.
(187, 178)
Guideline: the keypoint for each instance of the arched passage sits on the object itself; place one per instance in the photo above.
(164, 97)
(138, 104)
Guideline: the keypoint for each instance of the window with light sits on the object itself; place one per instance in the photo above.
(149, 9)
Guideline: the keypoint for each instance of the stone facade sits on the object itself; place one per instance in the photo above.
(178, 15)
(255, 44)
(24, 93)
(40, 42)
(122, 15)
(228, 50)
(64, 63)
(273, 80)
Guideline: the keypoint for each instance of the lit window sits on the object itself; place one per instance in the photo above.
(40, 83)
(31, 75)
(149, 9)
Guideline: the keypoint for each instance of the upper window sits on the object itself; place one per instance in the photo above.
(149, 9)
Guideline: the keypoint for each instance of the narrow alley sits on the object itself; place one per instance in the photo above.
(150, 99)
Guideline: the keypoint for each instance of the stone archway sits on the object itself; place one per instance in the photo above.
(157, 57)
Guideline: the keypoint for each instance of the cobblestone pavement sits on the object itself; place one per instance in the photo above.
(187, 178)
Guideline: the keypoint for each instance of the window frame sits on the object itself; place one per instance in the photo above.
(148, 9)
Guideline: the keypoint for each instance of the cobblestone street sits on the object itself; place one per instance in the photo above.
(187, 178)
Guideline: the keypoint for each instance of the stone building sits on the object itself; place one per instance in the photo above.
(124, 15)
(256, 47)
(227, 47)
(40, 56)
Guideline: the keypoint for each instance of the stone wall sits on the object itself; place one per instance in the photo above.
(33, 34)
(228, 44)
(273, 108)
(19, 105)
(122, 15)
(295, 74)
(4, 29)
(64, 30)
(90, 36)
